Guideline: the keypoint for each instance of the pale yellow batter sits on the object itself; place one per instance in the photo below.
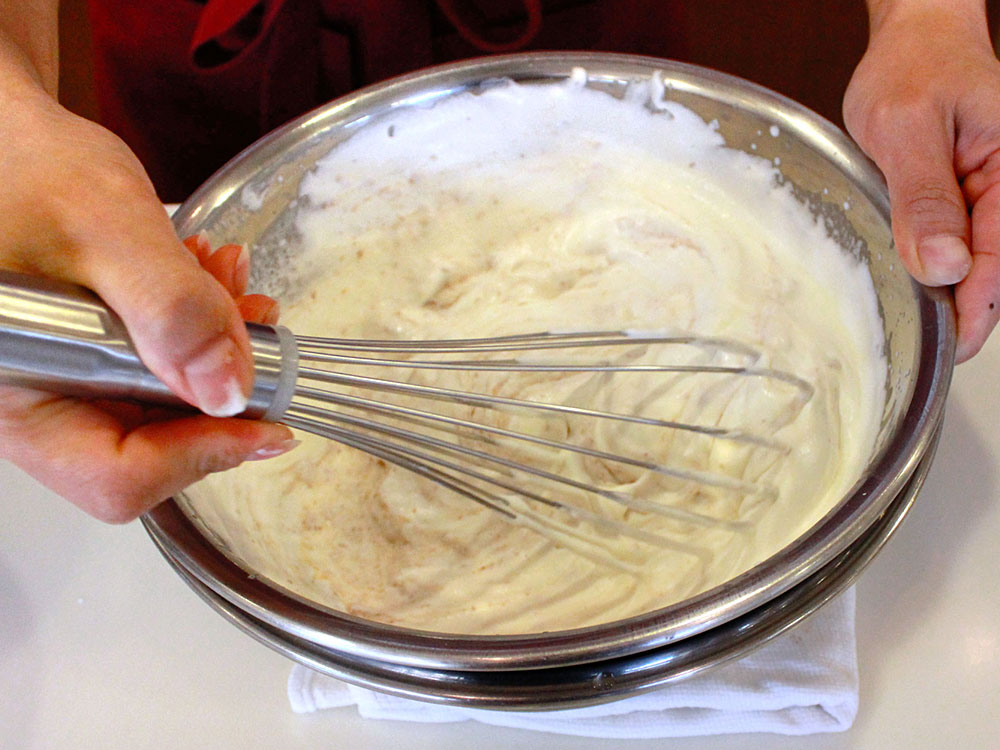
(531, 208)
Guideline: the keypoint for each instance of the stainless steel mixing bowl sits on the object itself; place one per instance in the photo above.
(253, 200)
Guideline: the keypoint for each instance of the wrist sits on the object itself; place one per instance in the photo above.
(887, 13)
(19, 76)
(29, 41)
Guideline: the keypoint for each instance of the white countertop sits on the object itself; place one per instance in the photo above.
(102, 645)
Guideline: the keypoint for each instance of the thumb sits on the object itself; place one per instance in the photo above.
(930, 221)
(185, 325)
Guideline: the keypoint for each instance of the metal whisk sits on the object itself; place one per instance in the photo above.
(62, 338)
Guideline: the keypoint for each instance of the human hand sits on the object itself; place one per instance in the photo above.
(924, 103)
(75, 204)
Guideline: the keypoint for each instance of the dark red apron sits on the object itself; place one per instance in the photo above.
(187, 84)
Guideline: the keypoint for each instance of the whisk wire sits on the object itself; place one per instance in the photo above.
(438, 445)
(480, 431)
(316, 349)
(421, 463)
(497, 481)
(62, 338)
(479, 399)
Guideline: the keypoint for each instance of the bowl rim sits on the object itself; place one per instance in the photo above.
(560, 687)
(790, 566)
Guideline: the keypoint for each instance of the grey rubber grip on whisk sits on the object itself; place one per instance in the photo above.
(62, 338)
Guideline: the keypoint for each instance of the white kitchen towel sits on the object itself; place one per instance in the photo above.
(802, 682)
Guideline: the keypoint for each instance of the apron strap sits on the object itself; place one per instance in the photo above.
(227, 27)
(476, 37)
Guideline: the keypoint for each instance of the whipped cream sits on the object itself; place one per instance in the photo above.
(557, 207)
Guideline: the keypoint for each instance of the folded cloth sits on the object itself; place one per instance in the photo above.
(802, 682)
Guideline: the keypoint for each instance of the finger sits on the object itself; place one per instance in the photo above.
(199, 246)
(115, 473)
(984, 174)
(230, 266)
(930, 220)
(258, 308)
(977, 298)
(183, 322)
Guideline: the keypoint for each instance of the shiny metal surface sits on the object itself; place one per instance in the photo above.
(825, 171)
(64, 339)
(592, 682)
(60, 337)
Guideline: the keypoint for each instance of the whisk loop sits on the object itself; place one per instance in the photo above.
(570, 471)
(469, 456)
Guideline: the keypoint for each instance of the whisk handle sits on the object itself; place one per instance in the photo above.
(62, 338)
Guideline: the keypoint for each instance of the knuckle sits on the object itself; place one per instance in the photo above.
(883, 113)
(907, 111)
(186, 319)
(933, 201)
(95, 192)
(105, 164)
(885, 125)
(119, 166)
(215, 463)
(120, 177)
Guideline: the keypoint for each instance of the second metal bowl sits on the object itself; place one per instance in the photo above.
(252, 200)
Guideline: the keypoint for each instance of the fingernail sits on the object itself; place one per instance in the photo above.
(199, 246)
(270, 451)
(202, 247)
(213, 380)
(241, 264)
(241, 270)
(243, 258)
(945, 260)
(272, 315)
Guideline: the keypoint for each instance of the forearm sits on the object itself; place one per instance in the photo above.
(29, 42)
